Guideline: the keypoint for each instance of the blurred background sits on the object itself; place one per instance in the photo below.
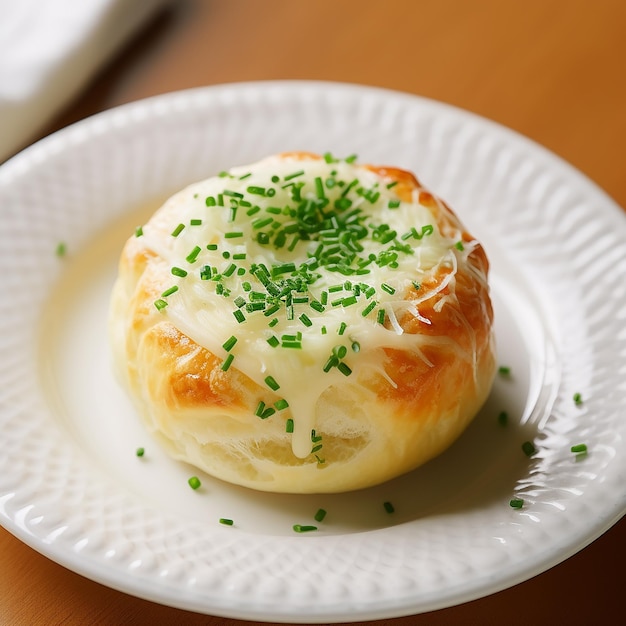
(551, 70)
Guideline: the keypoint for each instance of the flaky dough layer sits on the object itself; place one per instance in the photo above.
(413, 378)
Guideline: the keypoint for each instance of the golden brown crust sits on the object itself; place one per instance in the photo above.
(205, 412)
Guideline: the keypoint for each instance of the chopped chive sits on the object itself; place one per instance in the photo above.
(388, 288)
(139, 231)
(271, 383)
(273, 341)
(267, 413)
(233, 235)
(170, 291)
(227, 363)
(232, 194)
(179, 271)
(351, 159)
(294, 241)
(229, 271)
(210, 201)
(260, 408)
(226, 521)
(516, 503)
(459, 245)
(316, 448)
(340, 351)
(261, 222)
(320, 515)
(369, 308)
(281, 404)
(273, 309)
(504, 370)
(193, 255)
(333, 361)
(194, 482)
(140, 451)
(294, 175)
(211, 246)
(289, 426)
(392, 184)
(291, 344)
(195, 222)
(356, 346)
(299, 528)
(179, 229)
(579, 448)
(578, 399)
(528, 448)
(347, 190)
(305, 319)
(239, 316)
(240, 256)
(160, 304)
(388, 507)
(343, 203)
(319, 187)
(229, 344)
(342, 328)
(380, 316)
(393, 204)
(284, 268)
(344, 369)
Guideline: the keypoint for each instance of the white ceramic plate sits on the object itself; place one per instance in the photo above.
(72, 487)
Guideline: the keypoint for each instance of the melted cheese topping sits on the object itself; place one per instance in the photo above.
(298, 261)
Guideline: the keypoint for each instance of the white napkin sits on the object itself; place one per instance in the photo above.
(48, 51)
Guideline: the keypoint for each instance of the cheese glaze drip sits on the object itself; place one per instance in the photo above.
(296, 272)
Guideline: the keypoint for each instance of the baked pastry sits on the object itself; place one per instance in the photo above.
(304, 324)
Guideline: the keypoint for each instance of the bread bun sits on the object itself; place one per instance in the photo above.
(304, 324)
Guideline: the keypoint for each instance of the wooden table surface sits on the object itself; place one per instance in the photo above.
(552, 70)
